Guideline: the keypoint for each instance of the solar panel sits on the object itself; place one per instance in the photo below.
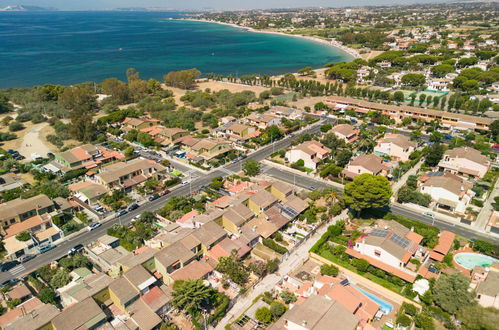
(379, 232)
(288, 211)
(403, 242)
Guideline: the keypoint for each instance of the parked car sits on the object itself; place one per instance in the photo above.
(121, 213)
(133, 206)
(153, 197)
(10, 282)
(75, 249)
(94, 226)
(46, 248)
(9, 265)
(496, 146)
(26, 258)
(165, 192)
(135, 218)
(429, 215)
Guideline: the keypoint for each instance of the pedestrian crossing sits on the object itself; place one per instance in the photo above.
(18, 269)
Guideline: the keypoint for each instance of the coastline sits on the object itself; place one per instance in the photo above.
(333, 43)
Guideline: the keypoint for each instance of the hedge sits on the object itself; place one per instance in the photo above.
(274, 246)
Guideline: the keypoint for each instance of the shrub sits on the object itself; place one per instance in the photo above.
(277, 309)
(274, 246)
(409, 309)
(263, 315)
(15, 126)
(403, 320)
(360, 264)
(23, 236)
(288, 297)
(330, 270)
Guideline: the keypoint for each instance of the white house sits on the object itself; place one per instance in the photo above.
(311, 152)
(439, 84)
(397, 146)
(465, 161)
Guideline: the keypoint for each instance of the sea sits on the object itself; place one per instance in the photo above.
(71, 47)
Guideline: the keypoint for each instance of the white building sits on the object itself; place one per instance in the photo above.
(397, 146)
(311, 152)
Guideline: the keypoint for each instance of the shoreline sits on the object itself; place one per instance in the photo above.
(333, 43)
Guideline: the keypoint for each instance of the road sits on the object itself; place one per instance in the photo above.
(201, 179)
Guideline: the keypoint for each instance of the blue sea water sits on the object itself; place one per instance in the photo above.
(71, 47)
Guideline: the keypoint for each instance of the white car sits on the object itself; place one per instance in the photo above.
(94, 226)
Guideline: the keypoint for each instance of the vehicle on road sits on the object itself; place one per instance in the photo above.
(153, 197)
(99, 208)
(311, 187)
(135, 218)
(121, 213)
(429, 215)
(133, 206)
(10, 282)
(94, 226)
(46, 248)
(75, 249)
(185, 183)
(496, 146)
(26, 258)
(9, 265)
(165, 192)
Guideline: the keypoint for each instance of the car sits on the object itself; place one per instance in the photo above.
(133, 206)
(135, 218)
(153, 197)
(185, 183)
(46, 248)
(9, 265)
(165, 192)
(93, 226)
(99, 208)
(496, 146)
(10, 282)
(50, 155)
(429, 215)
(311, 187)
(26, 258)
(75, 249)
(12, 151)
(121, 213)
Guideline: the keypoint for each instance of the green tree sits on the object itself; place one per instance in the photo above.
(441, 70)
(403, 320)
(413, 79)
(191, 296)
(398, 96)
(263, 314)
(60, 279)
(367, 191)
(15, 126)
(81, 102)
(450, 292)
(288, 297)
(5, 106)
(23, 236)
(434, 155)
(329, 270)
(424, 322)
(185, 79)
(360, 264)
(277, 309)
(476, 317)
(251, 167)
(129, 151)
(325, 128)
(234, 269)
(47, 296)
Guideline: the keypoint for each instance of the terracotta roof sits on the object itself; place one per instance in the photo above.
(344, 129)
(25, 225)
(194, 271)
(19, 292)
(399, 140)
(226, 246)
(115, 171)
(28, 306)
(468, 153)
(445, 242)
(188, 216)
(157, 297)
(313, 147)
(370, 162)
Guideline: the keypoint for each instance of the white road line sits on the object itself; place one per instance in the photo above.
(17, 269)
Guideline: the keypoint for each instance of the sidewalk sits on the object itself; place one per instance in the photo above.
(400, 182)
(486, 212)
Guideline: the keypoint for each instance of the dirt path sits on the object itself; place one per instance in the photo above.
(32, 142)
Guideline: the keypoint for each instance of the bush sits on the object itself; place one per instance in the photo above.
(329, 270)
(424, 322)
(277, 309)
(15, 126)
(263, 315)
(274, 246)
(288, 297)
(23, 236)
(360, 264)
(403, 320)
(409, 309)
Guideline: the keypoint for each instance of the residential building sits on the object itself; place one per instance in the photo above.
(311, 152)
(139, 123)
(345, 132)
(488, 290)
(261, 202)
(448, 191)
(165, 135)
(465, 161)
(262, 121)
(10, 181)
(396, 146)
(235, 217)
(369, 163)
(88, 192)
(86, 156)
(126, 175)
(445, 243)
(235, 131)
(389, 247)
(83, 315)
(285, 112)
(439, 84)
(447, 119)
(32, 314)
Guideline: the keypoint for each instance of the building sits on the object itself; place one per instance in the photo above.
(139, 123)
(439, 84)
(445, 243)
(126, 175)
(396, 146)
(86, 156)
(362, 164)
(448, 119)
(389, 248)
(488, 290)
(345, 132)
(262, 121)
(235, 131)
(317, 313)
(465, 161)
(286, 112)
(10, 181)
(448, 191)
(165, 135)
(311, 152)
(88, 191)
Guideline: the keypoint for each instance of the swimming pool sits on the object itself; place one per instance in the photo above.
(470, 260)
(384, 306)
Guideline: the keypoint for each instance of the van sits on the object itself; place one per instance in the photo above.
(45, 248)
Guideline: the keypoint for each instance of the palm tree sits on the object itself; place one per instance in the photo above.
(192, 296)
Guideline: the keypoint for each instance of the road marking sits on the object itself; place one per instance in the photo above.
(17, 269)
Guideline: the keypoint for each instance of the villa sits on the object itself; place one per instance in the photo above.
(311, 152)
(396, 146)
(465, 161)
(345, 132)
(370, 163)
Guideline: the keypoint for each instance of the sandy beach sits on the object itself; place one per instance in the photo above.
(333, 43)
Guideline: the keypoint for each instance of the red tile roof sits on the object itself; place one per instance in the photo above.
(194, 271)
(445, 241)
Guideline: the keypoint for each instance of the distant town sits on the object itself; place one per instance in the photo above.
(360, 195)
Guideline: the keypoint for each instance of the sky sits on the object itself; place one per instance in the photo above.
(200, 4)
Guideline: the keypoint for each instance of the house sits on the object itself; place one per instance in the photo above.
(311, 152)
(396, 146)
(445, 242)
(126, 175)
(345, 132)
(286, 112)
(196, 270)
(369, 163)
(317, 313)
(235, 217)
(227, 246)
(86, 156)
(19, 210)
(84, 315)
(237, 132)
(88, 191)
(389, 248)
(32, 314)
(261, 201)
(262, 121)
(10, 181)
(20, 292)
(439, 84)
(385, 64)
(90, 286)
(488, 290)
(165, 135)
(139, 123)
(465, 161)
(449, 192)
(171, 258)
(207, 148)
(281, 190)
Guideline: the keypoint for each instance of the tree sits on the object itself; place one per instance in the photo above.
(81, 102)
(191, 296)
(234, 269)
(185, 79)
(15, 126)
(251, 167)
(435, 154)
(325, 128)
(330, 270)
(403, 320)
(60, 279)
(343, 157)
(129, 151)
(360, 264)
(413, 79)
(476, 317)
(277, 309)
(47, 296)
(424, 322)
(450, 292)
(23, 236)
(288, 297)
(5, 106)
(494, 130)
(367, 191)
(398, 96)
(263, 314)
(441, 70)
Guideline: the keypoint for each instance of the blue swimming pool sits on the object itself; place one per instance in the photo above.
(384, 306)
(470, 260)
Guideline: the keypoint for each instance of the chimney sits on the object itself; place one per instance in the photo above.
(253, 228)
